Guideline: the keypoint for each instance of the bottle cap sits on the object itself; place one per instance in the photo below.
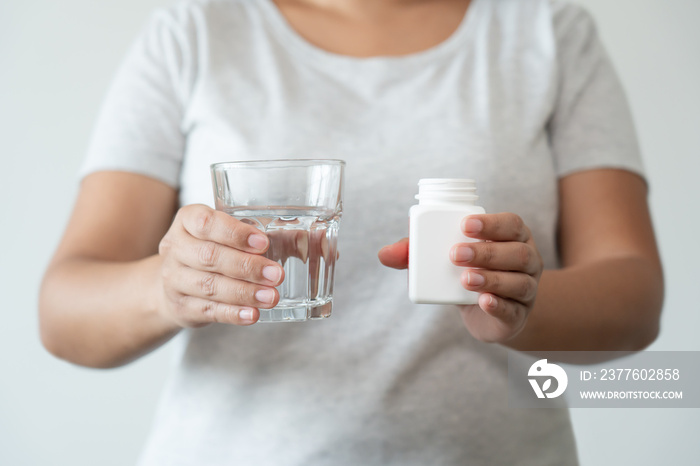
(447, 189)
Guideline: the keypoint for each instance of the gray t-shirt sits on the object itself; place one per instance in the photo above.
(521, 94)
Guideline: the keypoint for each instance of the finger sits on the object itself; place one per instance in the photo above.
(511, 313)
(204, 223)
(198, 311)
(213, 257)
(222, 289)
(494, 319)
(518, 286)
(395, 255)
(496, 227)
(507, 256)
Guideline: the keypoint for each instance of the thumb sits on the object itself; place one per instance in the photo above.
(395, 255)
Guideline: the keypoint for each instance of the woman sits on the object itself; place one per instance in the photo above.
(517, 94)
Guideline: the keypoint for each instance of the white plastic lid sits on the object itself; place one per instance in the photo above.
(447, 189)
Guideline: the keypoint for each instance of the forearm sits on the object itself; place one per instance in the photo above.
(610, 305)
(102, 314)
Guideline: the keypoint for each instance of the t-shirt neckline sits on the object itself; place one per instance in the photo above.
(292, 39)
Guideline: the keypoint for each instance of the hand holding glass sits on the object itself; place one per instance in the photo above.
(298, 204)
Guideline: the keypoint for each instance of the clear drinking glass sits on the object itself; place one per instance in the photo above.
(298, 204)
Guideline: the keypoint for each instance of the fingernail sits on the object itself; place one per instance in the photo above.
(265, 296)
(245, 314)
(475, 279)
(472, 225)
(257, 241)
(272, 273)
(463, 254)
(492, 302)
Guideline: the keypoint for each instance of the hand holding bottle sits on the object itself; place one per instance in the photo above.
(509, 268)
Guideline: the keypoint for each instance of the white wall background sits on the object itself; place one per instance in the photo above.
(56, 59)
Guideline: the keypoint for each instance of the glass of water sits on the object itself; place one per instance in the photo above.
(298, 205)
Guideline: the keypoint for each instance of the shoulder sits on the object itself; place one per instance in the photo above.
(569, 13)
(571, 22)
(566, 28)
(189, 27)
(558, 15)
(198, 14)
(183, 8)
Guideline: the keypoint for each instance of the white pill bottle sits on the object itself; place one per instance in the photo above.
(435, 227)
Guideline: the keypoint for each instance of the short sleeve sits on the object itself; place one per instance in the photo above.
(591, 126)
(139, 127)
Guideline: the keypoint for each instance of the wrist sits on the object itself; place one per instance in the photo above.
(154, 295)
